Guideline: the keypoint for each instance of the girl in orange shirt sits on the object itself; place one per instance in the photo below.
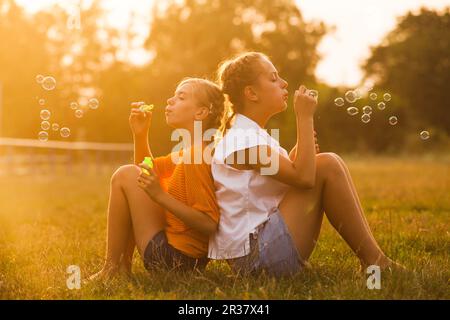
(170, 213)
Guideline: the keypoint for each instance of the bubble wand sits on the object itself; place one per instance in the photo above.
(146, 107)
(148, 161)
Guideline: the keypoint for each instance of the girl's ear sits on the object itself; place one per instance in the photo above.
(201, 113)
(250, 93)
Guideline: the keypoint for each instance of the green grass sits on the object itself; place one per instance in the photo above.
(50, 222)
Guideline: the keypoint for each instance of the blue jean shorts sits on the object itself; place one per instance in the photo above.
(272, 250)
(159, 254)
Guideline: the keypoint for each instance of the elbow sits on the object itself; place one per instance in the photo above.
(306, 183)
(211, 229)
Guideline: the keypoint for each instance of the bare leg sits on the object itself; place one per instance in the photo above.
(127, 257)
(303, 210)
(133, 219)
(355, 194)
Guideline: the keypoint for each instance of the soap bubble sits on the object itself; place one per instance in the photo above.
(65, 132)
(41, 102)
(352, 111)
(93, 103)
(339, 102)
(373, 96)
(312, 93)
(45, 114)
(39, 78)
(49, 83)
(43, 136)
(79, 113)
(73, 105)
(365, 118)
(45, 125)
(424, 135)
(393, 120)
(367, 110)
(387, 97)
(381, 105)
(350, 96)
(55, 126)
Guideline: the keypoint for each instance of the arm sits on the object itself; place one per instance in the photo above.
(141, 148)
(299, 171)
(190, 216)
(140, 125)
(305, 165)
(293, 152)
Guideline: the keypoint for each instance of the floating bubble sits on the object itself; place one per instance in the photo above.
(339, 102)
(313, 93)
(365, 118)
(41, 102)
(424, 135)
(39, 78)
(93, 103)
(55, 126)
(381, 105)
(64, 132)
(367, 110)
(79, 113)
(49, 83)
(393, 120)
(358, 94)
(350, 96)
(373, 96)
(73, 105)
(387, 97)
(43, 136)
(45, 114)
(352, 111)
(45, 125)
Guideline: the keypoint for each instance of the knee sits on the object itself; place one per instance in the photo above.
(124, 173)
(328, 163)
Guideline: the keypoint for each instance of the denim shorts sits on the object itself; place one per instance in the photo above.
(272, 250)
(159, 254)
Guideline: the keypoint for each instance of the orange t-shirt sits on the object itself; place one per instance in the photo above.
(193, 185)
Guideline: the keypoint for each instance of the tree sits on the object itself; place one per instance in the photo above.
(19, 41)
(413, 62)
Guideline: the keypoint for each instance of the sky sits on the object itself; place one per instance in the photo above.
(358, 25)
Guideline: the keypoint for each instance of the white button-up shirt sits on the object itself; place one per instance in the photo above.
(245, 197)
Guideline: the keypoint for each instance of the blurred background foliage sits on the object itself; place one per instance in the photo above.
(190, 39)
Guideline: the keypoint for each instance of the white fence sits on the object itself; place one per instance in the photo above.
(29, 156)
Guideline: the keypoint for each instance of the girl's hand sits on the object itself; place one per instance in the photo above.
(139, 120)
(149, 183)
(304, 104)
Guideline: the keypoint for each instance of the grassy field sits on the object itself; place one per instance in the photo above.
(50, 222)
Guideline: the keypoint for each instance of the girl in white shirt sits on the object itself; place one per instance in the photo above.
(272, 221)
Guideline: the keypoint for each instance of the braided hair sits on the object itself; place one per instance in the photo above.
(209, 94)
(233, 76)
